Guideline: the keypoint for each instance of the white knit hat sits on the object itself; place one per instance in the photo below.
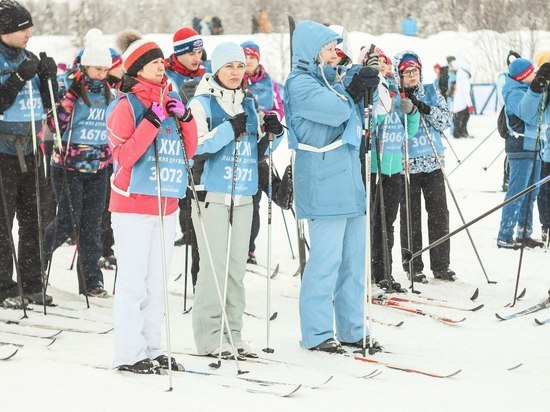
(226, 53)
(96, 52)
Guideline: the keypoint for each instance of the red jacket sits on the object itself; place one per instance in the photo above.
(128, 143)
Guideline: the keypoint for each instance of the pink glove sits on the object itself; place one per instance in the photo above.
(158, 110)
(155, 114)
(176, 108)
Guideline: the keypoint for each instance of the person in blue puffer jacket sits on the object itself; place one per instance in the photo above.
(325, 126)
(522, 92)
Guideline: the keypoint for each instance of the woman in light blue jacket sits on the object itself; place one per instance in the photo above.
(325, 126)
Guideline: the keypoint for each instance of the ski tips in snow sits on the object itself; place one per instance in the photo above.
(475, 295)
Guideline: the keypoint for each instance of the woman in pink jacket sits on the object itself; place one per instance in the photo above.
(144, 138)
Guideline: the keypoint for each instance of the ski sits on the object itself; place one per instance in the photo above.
(29, 331)
(7, 352)
(270, 382)
(252, 315)
(266, 392)
(535, 308)
(430, 302)
(518, 297)
(542, 322)
(94, 328)
(21, 341)
(474, 296)
(395, 325)
(370, 375)
(259, 272)
(398, 306)
(411, 370)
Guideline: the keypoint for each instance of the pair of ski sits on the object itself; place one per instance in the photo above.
(399, 303)
(69, 325)
(261, 270)
(535, 308)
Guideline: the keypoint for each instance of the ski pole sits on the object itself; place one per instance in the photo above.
(407, 195)
(438, 159)
(228, 253)
(64, 188)
(380, 208)
(284, 221)
(531, 179)
(410, 255)
(37, 188)
(164, 270)
(494, 160)
(74, 256)
(367, 286)
(185, 279)
(209, 253)
(452, 149)
(472, 152)
(267, 349)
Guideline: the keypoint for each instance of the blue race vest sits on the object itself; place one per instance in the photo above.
(178, 79)
(419, 145)
(218, 170)
(263, 92)
(392, 140)
(173, 174)
(89, 123)
(20, 110)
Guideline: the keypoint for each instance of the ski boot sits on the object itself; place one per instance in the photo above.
(330, 346)
(418, 277)
(530, 242)
(446, 274)
(251, 258)
(145, 366)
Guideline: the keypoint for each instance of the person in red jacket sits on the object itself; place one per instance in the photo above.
(144, 138)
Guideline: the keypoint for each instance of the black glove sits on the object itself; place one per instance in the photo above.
(272, 124)
(76, 86)
(422, 107)
(28, 69)
(373, 61)
(238, 122)
(47, 69)
(361, 81)
(407, 107)
(541, 79)
(444, 81)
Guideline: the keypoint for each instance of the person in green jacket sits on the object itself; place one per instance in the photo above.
(396, 119)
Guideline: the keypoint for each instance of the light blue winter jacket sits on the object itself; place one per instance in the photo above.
(319, 113)
(530, 108)
(522, 102)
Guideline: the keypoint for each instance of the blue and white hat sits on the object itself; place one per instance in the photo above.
(187, 40)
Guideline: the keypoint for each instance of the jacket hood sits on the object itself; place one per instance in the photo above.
(397, 59)
(308, 39)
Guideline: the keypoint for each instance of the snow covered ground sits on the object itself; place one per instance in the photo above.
(73, 373)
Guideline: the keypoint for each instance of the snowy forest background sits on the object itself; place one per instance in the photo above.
(75, 17)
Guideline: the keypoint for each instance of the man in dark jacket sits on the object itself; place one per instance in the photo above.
(23, 80)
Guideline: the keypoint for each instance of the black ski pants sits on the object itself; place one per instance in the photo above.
(20, 196)
(432, 187)
(392, 188)
(87, 195)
